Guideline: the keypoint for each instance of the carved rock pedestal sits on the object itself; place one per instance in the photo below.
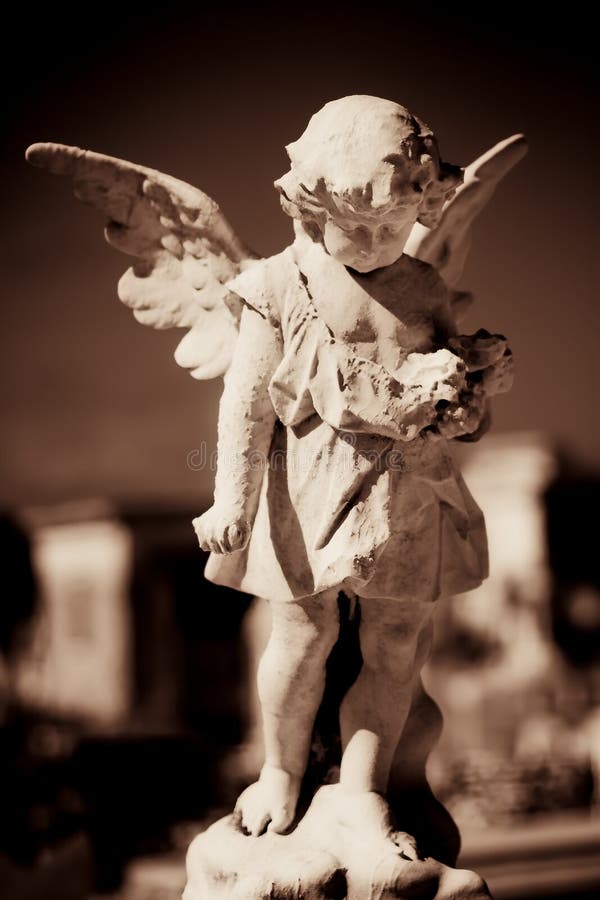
(324, 858)
(338, 851)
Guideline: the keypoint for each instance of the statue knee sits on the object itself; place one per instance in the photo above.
(315, 642)
(392, 651)
(391, 634)
(313, 627)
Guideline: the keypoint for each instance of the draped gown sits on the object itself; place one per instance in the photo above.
(352, 497)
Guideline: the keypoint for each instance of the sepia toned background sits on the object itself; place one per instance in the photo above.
(90, 400)
(109, 662)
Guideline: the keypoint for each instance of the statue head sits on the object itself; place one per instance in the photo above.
(363, 172)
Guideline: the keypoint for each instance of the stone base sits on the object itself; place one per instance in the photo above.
(324, 858)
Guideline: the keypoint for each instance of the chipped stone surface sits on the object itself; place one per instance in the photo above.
(346, 375)
(186, 250)
(329, 856)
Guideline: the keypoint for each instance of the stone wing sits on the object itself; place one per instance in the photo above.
(185, 250)
(446, 247)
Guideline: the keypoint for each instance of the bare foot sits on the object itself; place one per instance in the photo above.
(272, 799)
(367, 813)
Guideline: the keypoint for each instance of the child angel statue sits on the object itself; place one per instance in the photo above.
(345, 378)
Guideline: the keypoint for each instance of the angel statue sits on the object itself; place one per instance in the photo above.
(345, 377)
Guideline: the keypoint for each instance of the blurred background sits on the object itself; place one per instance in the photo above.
(126, 719)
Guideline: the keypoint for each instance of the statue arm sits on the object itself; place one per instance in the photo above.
(246, 421)
(351, 393)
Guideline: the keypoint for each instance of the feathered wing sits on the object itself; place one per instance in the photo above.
(185, 250)
(446, 246)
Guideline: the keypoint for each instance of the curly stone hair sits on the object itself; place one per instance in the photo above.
(363, 158)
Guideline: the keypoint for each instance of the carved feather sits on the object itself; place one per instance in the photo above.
(185, 248)
(446, 247)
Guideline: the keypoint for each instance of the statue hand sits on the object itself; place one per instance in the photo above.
(463, 417)
(221, 533)
(488, 359)
(498, 378)
(479, 350)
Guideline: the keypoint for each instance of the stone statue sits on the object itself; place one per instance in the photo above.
(345, 377)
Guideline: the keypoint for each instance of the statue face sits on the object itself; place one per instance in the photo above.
(365, 245)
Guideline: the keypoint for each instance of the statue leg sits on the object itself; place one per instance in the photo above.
(395, 639)
(291, 679)
(414, 804)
